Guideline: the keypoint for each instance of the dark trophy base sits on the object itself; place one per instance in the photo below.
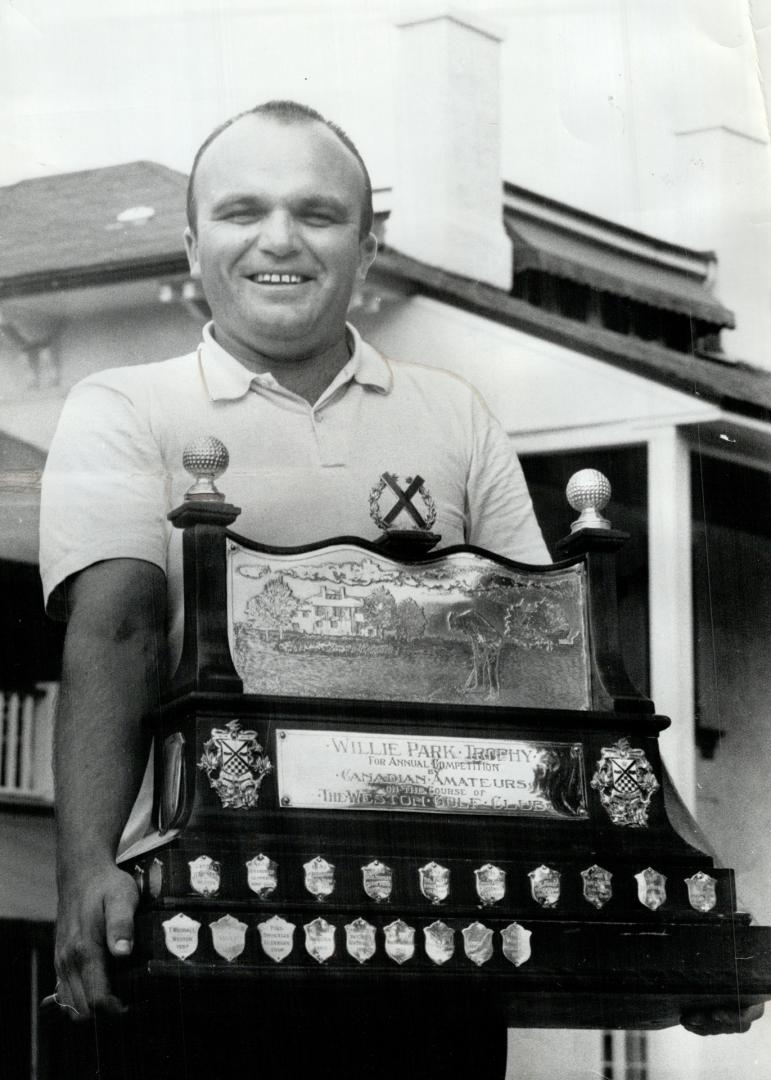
(556, 914)
(440, 786)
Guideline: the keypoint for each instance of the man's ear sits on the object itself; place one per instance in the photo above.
(191, 249)
(367, 253)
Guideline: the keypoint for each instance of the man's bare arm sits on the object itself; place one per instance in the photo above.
(113, 674)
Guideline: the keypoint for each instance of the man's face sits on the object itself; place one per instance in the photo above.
(278, 249)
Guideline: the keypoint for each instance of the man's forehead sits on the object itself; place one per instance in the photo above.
(258, 143)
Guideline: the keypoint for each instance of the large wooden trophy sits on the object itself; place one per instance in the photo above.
(384, 769)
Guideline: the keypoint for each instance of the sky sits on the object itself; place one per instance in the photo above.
(648, 112)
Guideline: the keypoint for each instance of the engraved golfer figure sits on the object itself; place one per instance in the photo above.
(486, 644)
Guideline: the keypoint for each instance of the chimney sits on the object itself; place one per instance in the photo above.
(448, 200)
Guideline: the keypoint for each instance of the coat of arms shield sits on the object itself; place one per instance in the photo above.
(235, 764)
(626, 784)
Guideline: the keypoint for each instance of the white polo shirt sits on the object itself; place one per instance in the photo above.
(301, 473)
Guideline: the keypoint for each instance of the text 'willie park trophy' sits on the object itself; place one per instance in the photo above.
(383, 767)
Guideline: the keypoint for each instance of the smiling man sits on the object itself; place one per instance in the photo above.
(280, 218)
(280, 236)
(279, 251)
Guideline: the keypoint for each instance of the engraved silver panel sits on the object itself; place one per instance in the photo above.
(344, 619)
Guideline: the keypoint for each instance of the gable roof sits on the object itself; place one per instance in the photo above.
(63, 231)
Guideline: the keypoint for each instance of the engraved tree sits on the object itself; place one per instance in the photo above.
(274, 607)
(379, 610)
(410, 620)
(536, 624)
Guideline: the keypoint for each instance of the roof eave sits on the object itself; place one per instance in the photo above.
(79, 277)
(719, 383)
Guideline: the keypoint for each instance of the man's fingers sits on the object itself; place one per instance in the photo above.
(722, 1021)
(119, 908)
(86, 990)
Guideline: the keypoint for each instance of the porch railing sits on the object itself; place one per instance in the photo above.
(26, 729)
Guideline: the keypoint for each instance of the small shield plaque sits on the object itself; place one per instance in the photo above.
(516, 943)
(440, 942)
(378, 880)
(478, 943)
(399, 941)
(597, 887)
(276, 937)
(228, 937)
(545, 886)
(490, 883)
(205, 875)
(702, 892)
(651, 888)
(360, 940)
(155, 878)
(262, 876)
(319, 878)
(181, 935)
(320, 939)
(434, 882)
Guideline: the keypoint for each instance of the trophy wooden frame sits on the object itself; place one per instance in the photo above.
(583, 898)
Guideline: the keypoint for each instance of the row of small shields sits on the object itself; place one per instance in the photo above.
(277, 934)
(277, 939)
(545, 882)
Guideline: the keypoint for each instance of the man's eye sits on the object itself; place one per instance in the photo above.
(318, 219)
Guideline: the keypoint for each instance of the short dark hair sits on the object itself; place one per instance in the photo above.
(285, 112)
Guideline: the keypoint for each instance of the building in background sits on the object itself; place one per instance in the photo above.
(595, 344)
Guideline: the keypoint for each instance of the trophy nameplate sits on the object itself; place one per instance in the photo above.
(336, 770)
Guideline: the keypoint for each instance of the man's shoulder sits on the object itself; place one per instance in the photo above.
(430, 376)
(132, 379)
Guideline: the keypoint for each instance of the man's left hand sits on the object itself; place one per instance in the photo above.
(722, 1021)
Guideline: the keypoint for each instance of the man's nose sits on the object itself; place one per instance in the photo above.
(278, 234)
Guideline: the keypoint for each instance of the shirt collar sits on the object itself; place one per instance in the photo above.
(227, 379)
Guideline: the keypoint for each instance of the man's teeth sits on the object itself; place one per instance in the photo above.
(279, 279)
